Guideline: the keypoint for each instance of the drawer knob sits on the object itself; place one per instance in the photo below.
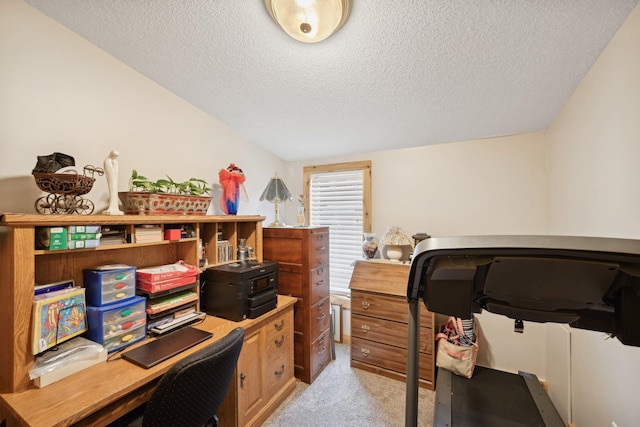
(366, 304)
(322, 316)
(279, 326)
(280, 372)
(279, 342)
(364, 351)
(365, 328)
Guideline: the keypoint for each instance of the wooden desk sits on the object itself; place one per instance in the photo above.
(108, 390)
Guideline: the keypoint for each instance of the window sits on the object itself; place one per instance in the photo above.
(339, 196)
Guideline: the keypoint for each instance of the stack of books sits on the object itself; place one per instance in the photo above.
(113, 235)
(148, 233)
(171, 300)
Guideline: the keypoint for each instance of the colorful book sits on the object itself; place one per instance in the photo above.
(155, 306)
(51, 287)
(57, 317)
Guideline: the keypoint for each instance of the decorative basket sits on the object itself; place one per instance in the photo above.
(145, 203)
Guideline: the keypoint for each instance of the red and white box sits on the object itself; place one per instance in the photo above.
(165, 285)
(166, 272)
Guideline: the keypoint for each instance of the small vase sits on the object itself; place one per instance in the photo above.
(300, 216)
(369, 246)
(394, 253)
(229, 203)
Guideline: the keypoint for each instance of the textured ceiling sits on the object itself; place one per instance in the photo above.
(398, 74)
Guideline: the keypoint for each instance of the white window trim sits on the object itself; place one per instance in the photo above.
(365, 167)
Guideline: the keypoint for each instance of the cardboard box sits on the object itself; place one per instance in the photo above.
(95, 229)
(52, 238)
(70, 369)
(83, 236)
(165, 272)
(165, 285)
(172, 234)
(84, 244)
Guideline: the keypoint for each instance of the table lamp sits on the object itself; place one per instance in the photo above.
(276, 192)
(393, 240)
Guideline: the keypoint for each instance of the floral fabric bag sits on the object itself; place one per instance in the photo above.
(457, 346)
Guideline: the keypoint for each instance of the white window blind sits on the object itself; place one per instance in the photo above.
(336, 201)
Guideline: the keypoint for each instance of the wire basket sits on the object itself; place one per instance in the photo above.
(65, 191)
(64, 183)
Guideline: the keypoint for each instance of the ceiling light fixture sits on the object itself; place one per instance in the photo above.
(309, 21)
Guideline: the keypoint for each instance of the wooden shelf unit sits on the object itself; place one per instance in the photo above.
(379, 322)
(22, 266)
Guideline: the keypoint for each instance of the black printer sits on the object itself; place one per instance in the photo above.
(240, 290)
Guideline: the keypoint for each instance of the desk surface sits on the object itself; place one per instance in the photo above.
(81, 395)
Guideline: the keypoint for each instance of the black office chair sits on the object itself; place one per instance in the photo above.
(193, 389)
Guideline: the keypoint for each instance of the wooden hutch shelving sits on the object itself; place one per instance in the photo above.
(22, 266)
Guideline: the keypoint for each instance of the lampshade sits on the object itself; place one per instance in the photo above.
(276, 192)
(309, 21)
(396, 237)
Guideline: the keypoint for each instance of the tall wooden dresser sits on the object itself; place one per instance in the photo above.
(303, 272)
(379, 322)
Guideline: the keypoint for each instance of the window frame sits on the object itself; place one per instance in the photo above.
(365, 168)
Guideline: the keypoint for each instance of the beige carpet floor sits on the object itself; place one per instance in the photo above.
(345, 396)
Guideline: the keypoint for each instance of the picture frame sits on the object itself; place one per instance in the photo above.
(336, 322)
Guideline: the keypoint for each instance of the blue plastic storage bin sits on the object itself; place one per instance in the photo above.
(118, 325)
(109, 286)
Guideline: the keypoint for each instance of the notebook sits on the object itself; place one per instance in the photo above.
(161, 349)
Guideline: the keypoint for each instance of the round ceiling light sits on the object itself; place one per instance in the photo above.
(309, 21)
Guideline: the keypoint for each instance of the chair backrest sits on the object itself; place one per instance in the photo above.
(193, 389)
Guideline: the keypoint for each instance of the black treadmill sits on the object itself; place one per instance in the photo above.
(587, 282)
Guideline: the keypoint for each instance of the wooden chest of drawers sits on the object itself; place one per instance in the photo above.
(379, 318)
(302, 254)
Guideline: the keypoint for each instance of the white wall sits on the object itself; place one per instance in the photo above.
(490, 186)
(60, 93)
(593, 151)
